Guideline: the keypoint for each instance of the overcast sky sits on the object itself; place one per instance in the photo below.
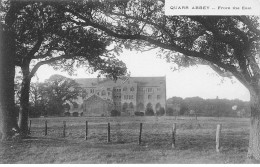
(193, 81)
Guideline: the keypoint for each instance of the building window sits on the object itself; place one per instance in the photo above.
(149, 96)
(91, 90)
(149, 89)
(158, 97)
(125, 97)
(125, 89)
(132, 89)
(131, 96)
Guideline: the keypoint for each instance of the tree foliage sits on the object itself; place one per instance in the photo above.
(211, 107)
(50, 97)
(43, 33)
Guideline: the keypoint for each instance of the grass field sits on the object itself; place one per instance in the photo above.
(195, 142)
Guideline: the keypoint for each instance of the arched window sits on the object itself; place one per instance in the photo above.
(158, 106)
(131, 106)
(124, 107)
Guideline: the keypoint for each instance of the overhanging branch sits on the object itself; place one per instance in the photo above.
(39, 64)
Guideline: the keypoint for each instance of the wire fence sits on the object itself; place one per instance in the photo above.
(155, 130)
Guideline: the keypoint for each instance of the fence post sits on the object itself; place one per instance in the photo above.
(29, 129)
(218, 137)
(45, 132)
(64, 128)
(108, 132)
(140, 134)
(173, 135)
(86, 137)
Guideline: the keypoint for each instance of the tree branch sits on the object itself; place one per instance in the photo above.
(36, 46)
(37, 66)
(172, 46)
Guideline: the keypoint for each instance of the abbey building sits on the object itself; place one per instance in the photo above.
(127, 95)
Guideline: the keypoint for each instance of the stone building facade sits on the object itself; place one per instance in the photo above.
(127, 95)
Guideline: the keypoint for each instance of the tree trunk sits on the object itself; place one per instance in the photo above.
(24, 100)
(7, 73)
(254, 139)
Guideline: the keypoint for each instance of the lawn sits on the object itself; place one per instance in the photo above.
(195, 141)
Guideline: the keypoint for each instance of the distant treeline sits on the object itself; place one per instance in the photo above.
(207, 107)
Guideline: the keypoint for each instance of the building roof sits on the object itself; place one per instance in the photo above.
(142, 81)
(95, 97)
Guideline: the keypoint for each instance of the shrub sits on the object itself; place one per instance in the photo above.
(115, 113)
(169, 112)
(149, 112)
(160, 112)
(75, 114)
(138, 113)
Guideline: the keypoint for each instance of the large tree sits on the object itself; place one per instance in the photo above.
(44, 35)
(228, 44)
(7, 69)
(57, 91)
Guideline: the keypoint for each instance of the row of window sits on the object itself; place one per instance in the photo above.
(148, 97)
(131, 89)
(142, 89)
(103, 93)
(92, 90)
(128, 97)
(117, 90)
(149, 90)
(117, 97)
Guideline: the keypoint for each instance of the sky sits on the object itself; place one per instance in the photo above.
(194, 81)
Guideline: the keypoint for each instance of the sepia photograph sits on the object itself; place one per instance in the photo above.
(129, 82)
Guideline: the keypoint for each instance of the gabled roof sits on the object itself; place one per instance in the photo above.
(97, 97)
